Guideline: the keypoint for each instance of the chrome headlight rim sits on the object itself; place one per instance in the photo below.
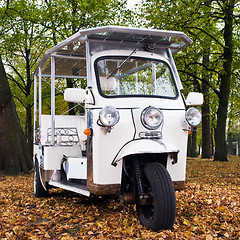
(145, 121)
(109, 116)
(193, 117)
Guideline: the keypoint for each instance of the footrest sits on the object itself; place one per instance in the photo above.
(77, 188)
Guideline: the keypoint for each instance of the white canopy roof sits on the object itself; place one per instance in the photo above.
(72, 51)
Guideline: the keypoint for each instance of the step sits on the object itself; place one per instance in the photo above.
(70, 186)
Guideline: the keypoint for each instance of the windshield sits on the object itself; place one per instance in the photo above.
(137, 76)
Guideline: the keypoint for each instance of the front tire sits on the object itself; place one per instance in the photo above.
(38, 188)
(159, 213)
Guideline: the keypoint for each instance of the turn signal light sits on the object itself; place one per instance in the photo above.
(88, 132)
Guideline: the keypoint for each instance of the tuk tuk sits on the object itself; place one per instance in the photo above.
(128, 135)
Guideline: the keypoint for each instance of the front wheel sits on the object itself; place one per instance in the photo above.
(160, 210)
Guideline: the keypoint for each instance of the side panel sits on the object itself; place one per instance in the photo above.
(106, 146)
(174, 131)
(53, 155)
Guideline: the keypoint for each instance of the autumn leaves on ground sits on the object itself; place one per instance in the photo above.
(209, 208)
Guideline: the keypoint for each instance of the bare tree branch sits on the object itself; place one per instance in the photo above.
(200, 79)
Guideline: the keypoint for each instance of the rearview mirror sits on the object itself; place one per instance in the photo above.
(76, 95)
(194, 99)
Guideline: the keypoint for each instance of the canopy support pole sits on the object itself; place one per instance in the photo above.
(52, 101)
(35, 109)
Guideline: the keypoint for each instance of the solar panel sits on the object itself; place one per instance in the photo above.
(71, 53)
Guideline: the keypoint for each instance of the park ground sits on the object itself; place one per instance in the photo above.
(208, 208)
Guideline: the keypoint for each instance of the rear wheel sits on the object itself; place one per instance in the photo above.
(39, 189)
(160, 210)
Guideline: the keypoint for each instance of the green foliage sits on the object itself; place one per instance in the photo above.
(204, 22)
(65, 17)
(30, 27)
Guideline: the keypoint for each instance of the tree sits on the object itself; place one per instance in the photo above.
(14, 155)
(206, 124)
(203, 21)
(194, 70)
(22, 45)
(227, 8)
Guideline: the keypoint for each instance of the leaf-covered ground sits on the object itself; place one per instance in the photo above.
(209, 208)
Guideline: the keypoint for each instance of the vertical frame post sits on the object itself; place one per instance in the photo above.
(179, 83)
(40, 98)
(35, 110)
(52, 100)
(154, 78)
(136, 79)
(88, 63)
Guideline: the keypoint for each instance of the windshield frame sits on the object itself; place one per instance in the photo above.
(122, 57)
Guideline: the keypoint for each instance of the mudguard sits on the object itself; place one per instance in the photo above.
(140, 146)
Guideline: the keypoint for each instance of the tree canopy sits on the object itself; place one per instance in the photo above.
(29, 28)
(209, 65)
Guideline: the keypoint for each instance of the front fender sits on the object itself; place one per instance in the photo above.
(140, 146)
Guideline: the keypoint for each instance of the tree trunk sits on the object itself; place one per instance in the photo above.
(225, 77)
(229, 144)
(238, 144)
(206, 130)
(192, 145)
(14, 156)
(212, 140)
(29, 129)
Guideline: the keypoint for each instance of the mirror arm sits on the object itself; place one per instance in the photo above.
(183, 98)
(90, 89)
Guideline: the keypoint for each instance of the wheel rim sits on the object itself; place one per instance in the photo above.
(148, 210)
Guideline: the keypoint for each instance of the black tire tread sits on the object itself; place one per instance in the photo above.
(164, 198)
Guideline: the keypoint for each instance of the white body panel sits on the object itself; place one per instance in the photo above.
(53, 155)
(124, 138)
(107, 145)
(76, 168)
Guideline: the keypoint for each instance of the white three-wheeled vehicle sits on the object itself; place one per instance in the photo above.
(131, 138)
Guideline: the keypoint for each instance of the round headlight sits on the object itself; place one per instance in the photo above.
(151, 118)
(109, 116)
(193, 117)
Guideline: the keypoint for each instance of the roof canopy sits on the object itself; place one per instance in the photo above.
(71, 53)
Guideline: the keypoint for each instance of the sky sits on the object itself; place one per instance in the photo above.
(130, 3)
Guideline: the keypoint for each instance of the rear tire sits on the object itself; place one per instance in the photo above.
(160, 213)
(39, 189)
